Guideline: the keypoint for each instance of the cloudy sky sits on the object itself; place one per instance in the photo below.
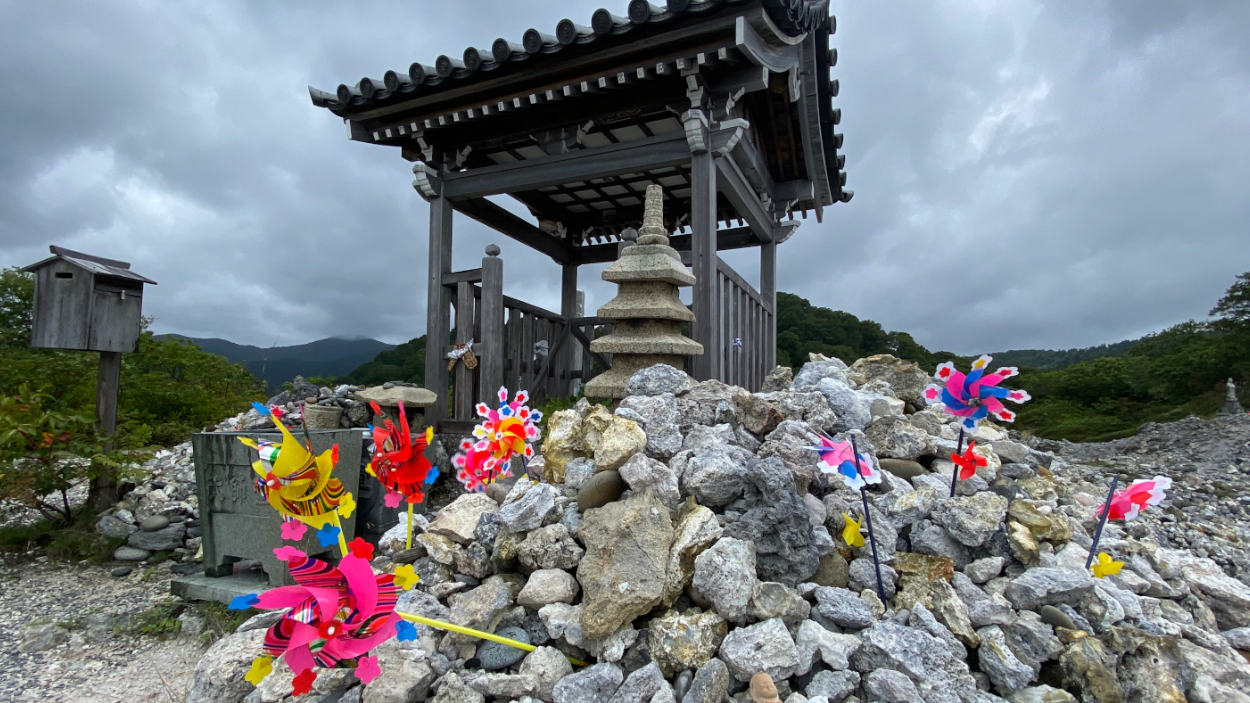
(1027, 174)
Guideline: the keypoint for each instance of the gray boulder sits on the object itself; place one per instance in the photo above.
(972, 520)
(595, 684)
(658, 379)
(777, 522)
(1048, 586)
(725, 576)
(528, 512)
(765, 646)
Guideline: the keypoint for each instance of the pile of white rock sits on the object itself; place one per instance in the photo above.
(685, 541)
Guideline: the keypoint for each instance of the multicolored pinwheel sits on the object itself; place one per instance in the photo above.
(399, 462)
(509, 429)
(1127, 504)
(298, 484)
(976, 395)
(968, 462)
(839, 458)
(503, 433)
(336, 614)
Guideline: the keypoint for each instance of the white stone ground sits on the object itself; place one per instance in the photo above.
(93, 664)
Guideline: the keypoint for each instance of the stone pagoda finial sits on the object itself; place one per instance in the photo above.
(647, 312)
(653, 231)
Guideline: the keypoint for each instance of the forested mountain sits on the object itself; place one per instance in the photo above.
(327, 358)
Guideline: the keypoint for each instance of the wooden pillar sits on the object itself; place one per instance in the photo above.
(768, 291)
(463, 409)
(492, 328)
(703, 262)
(108, 381)
(438, 303)
(568, 308)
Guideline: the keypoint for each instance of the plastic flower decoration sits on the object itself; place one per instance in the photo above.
(1106, 566)
(336, 614)
(968, 462)
(976, 395)
(1127, 504)
(839, 458)
(851, 533)
(399, 461)
(298, 484)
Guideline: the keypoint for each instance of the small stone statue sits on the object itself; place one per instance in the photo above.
(1231, 405)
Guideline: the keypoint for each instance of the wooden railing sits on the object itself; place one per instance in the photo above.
(743, 335)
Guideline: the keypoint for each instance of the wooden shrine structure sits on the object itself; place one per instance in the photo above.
(726, 104)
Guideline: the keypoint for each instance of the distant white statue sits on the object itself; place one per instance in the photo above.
(1231, 405)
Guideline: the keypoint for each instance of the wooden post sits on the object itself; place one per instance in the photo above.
(492, 327)
(463, 408)
(768, 291)
(568, 308)
(108, 380)
(438, 303)
(703, 262)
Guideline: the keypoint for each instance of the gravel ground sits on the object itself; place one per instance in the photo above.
(90, 663)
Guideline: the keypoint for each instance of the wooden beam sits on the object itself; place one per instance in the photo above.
(508, 224)
(726, 239)
(740, 193)
(471, 275)
(492, 326)
(655, 152)
(438, 303)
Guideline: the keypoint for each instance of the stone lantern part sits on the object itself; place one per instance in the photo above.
(647, 312)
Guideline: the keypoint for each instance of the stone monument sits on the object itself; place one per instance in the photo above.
(1231, 404)
(647, 311)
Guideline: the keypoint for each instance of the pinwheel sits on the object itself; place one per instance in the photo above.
(973, 397)
(299, 485)
(839, 458)
(470, 463)
(976, 395)
(1127, 504)
(508, 430)
(336, 614)
(399, 463)
(968, 462)
(857, 471)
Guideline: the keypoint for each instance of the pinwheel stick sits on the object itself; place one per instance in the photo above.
(342, 540)
(409, 544)
(440, 625)
(1106, 510)
(872, 538)
(955, 471)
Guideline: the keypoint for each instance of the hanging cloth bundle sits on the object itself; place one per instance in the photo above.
(462, 352)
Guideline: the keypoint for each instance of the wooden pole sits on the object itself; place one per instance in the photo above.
(768, 291)
(568, 308)
(108, 380)
(437, 311)
(491, 363)
(703, 260)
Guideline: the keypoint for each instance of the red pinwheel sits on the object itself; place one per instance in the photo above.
(1128, 503)
(968, 462)
(976, 395)
(399, 462)
(336, 614)
(503, 433)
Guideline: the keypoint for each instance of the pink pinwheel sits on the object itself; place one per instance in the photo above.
(336, 613)
(977, 395)
(1127, 504)
(839, 458)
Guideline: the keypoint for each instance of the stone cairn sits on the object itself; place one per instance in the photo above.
(647, 310)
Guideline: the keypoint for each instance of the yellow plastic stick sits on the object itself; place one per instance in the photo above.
(409, 527)
(342, 540)
(440, 625)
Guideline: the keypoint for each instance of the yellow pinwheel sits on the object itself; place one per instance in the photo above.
(1106, 566)
(300, 485)
(851, 534)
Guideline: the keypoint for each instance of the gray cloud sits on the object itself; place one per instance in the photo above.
(1026, 175)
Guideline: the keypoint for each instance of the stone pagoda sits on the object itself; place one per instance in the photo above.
(647, 311)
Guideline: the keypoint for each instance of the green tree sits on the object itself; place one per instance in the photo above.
(1234, 307)
(17, 299)
(405, 362)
